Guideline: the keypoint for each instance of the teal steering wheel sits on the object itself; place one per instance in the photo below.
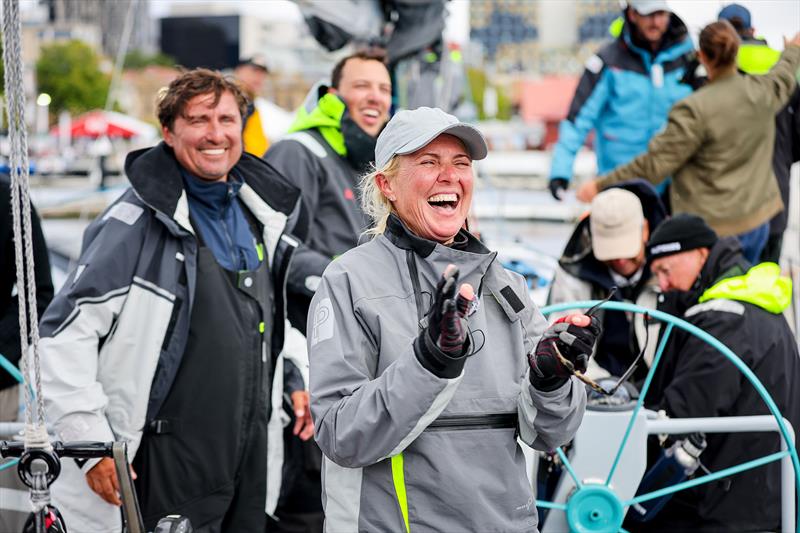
(594, 507)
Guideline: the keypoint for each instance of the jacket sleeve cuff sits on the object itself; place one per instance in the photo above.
(436, 361)
(606, 181)
(85, 427)
(292, 378)
(548, 384)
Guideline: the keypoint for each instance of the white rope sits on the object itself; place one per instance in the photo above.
(35, 432)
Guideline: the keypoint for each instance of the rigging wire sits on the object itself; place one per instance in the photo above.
(35, 431)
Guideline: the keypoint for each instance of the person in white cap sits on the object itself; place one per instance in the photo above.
(607, 250)
(421, 386)
(626, 90)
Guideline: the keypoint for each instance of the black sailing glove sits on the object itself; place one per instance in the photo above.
(574, 342)
(442, 345)
(558, 187)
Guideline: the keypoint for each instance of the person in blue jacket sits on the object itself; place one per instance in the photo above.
(626, 91)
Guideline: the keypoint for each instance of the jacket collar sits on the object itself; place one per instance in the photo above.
(216, 196)
(325, 116)
(762, 286)
(155, 176)
(399, 235)
(724, 260)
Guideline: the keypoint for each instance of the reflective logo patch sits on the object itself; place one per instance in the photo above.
(665, 247)
(125, 212)
(312, 283)
(324, 322)
(594, 64)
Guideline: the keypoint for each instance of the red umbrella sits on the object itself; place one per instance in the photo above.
(108, 123)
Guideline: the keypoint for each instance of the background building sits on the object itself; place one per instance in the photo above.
(547, 37)
(108, 16)
(233, 30)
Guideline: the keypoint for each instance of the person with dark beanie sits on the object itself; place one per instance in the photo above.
(706, 280)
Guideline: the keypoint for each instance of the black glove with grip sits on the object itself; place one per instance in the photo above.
(558, 186)
(441, 347)
(574, 342)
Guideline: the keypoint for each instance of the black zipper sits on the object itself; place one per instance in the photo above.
(412, 270)
(492, 421)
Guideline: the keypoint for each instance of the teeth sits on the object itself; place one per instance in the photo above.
(371, 113)
(214, 151)
(451, 197)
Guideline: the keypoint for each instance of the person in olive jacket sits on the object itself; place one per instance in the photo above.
(718, 144)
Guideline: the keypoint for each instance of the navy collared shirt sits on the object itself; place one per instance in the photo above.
(215, 208)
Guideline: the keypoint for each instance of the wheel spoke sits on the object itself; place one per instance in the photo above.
(640, 401)
(9, 464)
(551, 505)
(568, 466)
(708, 478)
(786, 432)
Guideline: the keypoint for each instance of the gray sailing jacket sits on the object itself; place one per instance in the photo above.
(406, 449)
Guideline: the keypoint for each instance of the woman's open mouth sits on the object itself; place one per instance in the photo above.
(447, 202)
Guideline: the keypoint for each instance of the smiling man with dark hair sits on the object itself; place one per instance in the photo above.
(330, 145)
(168, 333)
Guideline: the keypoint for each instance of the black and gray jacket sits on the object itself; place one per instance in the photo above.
(329, 187)
(113, 338)
(407, 449)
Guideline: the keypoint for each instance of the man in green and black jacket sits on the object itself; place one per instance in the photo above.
(708, 283)
(329, 146)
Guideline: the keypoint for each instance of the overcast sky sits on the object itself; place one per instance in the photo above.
(772, 18)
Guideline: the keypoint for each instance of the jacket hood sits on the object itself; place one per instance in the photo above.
(724, 260)
(762, 286)
(674, 43)
(155, 176)
(322, 111)
(578, 259)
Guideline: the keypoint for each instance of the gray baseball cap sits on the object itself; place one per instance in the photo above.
(648, 7)
(410, 130)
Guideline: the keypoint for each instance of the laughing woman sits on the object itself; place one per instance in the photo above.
(419, 386)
